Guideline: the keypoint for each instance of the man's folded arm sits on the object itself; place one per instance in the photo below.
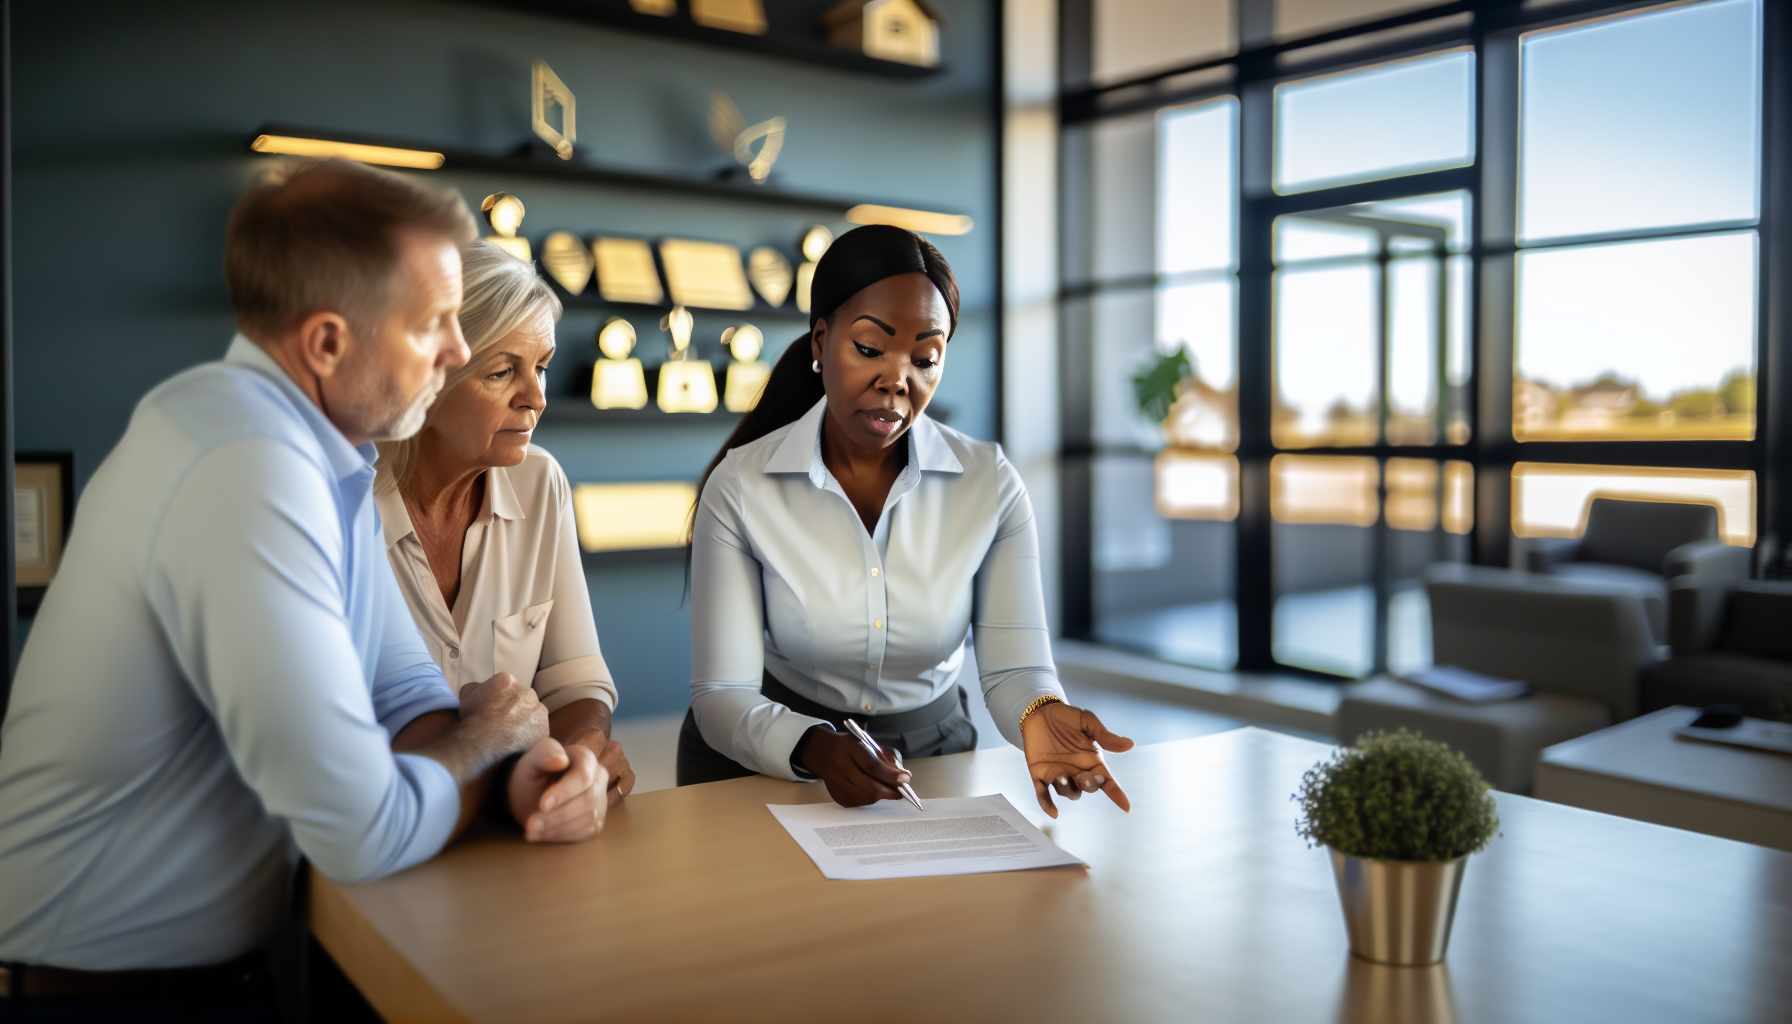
(247, 579)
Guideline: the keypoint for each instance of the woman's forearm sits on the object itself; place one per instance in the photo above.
(585, 722)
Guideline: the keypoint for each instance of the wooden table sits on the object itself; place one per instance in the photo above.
(1640, 769)
(695, 905)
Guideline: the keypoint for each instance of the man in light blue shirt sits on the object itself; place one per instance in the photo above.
(223, 669)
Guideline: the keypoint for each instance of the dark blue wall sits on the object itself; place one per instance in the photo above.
(130, 125)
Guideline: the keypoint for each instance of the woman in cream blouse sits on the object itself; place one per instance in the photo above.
(479, 525)
(846, 549)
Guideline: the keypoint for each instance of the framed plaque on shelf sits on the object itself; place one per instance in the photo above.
(43, 511)
(707, 275)
(625, 271)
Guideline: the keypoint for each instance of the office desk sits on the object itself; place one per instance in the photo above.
(695, 905)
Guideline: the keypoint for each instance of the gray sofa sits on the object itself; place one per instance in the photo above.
(1732, 644)
(1640, 545)
(1580, 642)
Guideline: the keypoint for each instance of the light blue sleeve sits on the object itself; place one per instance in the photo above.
(406, 682)
(1012, 637)
(245, 577)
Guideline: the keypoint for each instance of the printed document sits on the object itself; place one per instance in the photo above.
(960, 836)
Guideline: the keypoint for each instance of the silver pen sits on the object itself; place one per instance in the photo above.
(908, 791)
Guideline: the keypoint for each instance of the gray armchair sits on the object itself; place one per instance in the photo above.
(1732, 643)
(1580, 643)
(1640, 545)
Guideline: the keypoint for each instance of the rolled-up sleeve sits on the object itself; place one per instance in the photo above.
(1009, 628)
(728, 639)
(572, 665)
(245, 577)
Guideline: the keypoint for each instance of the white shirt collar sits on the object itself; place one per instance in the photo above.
(500, 502)
(800, 451)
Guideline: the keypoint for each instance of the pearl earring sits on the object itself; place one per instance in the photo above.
(815, 365)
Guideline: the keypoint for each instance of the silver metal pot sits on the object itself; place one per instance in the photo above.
(1398, 912)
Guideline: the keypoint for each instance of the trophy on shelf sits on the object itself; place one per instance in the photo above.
(747, 16)
(686, 384)
(504, 212)
(814, 242)
(553, 111)
(771, 275)
(568, 261)
(616, 380)
(907, 31)
(731, 134)
(747, 373)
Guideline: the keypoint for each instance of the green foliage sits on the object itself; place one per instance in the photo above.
(1155, 388)
(1695, 403)
(1397, 797)
(1738, 393)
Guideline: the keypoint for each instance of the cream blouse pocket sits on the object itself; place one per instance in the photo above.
(516, 641)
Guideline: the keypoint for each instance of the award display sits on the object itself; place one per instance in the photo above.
(746, 16)
(707, 275)
(771, 275)
(731, 134)
(617, 381)
(553, 114)
(906, 31)
(567, 259)
(504, 212)
(747, 373)
(625, 271)
(812, 245)
(686, 384)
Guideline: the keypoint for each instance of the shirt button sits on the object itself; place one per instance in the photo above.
(872, 667)
(879, 623)
(867, 707)
(454, 652)
(874, 572)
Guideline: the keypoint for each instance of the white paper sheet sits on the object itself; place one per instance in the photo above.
(958, 836)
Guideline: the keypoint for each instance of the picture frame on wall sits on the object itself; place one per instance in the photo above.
(44, 510)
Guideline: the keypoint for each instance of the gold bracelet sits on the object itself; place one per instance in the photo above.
(1036, 705)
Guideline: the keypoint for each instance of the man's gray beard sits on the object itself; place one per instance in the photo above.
(405, 425)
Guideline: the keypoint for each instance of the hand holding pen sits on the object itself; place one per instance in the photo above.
(871, 745)
(855, 774)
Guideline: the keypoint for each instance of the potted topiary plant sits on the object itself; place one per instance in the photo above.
(1400, 814)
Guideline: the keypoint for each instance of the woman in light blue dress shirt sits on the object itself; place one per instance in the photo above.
(847, 549)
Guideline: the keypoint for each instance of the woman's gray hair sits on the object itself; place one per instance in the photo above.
(499, 293)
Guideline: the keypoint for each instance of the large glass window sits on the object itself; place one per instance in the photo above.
(1623, 283)
(1643, 339)
(1165, 486)
(1380, 122)
(1645, 122)
(1632, 127)
(1370, 324)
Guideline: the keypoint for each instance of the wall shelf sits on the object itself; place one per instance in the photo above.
(539, 161)
(787, 42)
